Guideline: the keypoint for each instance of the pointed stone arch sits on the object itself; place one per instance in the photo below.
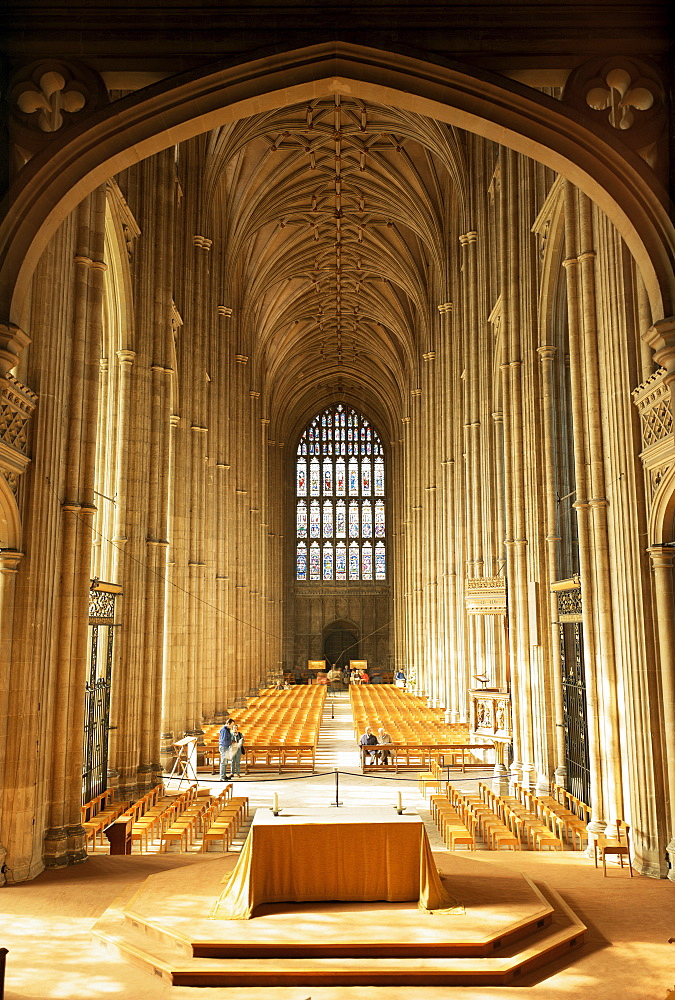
(177, 108)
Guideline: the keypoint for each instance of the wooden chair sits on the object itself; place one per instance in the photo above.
(613, 847)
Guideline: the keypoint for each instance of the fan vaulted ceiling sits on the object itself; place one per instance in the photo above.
(335, 217)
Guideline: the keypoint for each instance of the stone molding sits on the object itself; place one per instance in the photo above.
(17, 403)
(624, 95)
(50, 96)
(485, 595)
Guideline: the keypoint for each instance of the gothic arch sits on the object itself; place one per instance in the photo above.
(129, 130)
(10, 522)
(662, 518)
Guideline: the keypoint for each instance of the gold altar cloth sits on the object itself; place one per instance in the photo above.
(333, 854)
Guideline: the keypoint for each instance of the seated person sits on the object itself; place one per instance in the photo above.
(364, 677)
(383, 738)
(399, 679)
(322, 678)
(369, 739)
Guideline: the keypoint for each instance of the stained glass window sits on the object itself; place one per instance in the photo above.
(340, 478)
(302, 519)
(340, 519)
(328, 561)
(301, 561)
(379, 477)
(314, 520)
(380, 562)
(340, 561)
(314, 562)
(353, 519)
(366, 519)
(353, 561)
(353, 478)
(327, 477)
(379, 519)
(367, 561)
(340, 455)
(314, 480)
(366, 480)
(302, 479)
(327, 519)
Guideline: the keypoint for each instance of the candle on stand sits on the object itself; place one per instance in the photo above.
(276, 803)
(400, 802)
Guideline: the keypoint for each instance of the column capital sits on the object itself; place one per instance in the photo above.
(12, 342)
(547, 352)
(661, 338)
(9, 560)
(662, 556)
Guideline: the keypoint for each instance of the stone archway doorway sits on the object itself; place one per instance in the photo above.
(341, 643)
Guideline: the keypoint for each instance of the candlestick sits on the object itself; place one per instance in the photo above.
(275, 809)
(400, 802)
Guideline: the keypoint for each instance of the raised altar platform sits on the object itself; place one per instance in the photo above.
(508, 927)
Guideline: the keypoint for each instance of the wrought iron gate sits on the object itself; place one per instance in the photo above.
(574, 694)
(97, 694)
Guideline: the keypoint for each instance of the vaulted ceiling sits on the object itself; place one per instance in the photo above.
(335, 218)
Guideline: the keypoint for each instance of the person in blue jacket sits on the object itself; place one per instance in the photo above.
(225, 742)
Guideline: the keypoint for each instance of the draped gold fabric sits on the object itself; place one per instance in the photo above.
(345, 854)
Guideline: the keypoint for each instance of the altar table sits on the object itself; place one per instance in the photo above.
(333, 854)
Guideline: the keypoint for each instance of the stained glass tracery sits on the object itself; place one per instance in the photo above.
(340, 469)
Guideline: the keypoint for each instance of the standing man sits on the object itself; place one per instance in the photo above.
(225, 742)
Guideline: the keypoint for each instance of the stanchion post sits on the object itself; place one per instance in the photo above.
(337, 789)
(3, 956)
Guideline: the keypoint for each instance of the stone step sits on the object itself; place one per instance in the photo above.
(168, 955)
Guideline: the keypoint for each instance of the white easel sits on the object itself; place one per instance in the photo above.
(185, 765)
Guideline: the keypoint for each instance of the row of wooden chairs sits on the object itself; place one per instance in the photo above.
(154, 812)
(603, 845)
(223, 820)
(454, 829)
(569, 825)
(98, 813)
(481, 820)
(405, 716)
(536, 830)
(281, 729)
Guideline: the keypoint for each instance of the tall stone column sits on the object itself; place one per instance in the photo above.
(598, 502)
(9, 564)
(137, 691)
(514, 467)
(64, 839)
(447, 509)
(547, 357)
(663, 564)
(582, 506)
